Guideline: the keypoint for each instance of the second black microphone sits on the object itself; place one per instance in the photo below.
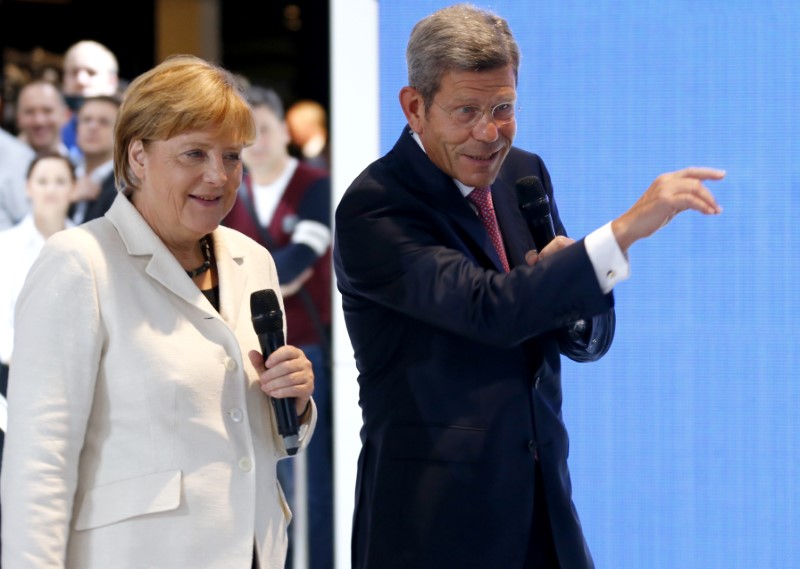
(267, 319)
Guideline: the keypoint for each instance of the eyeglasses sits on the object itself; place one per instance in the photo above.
(468, 116)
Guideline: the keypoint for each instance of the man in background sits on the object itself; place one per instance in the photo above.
(41, 114)
(15, 156)
(308, 130)
(95, 189)
(90, 69)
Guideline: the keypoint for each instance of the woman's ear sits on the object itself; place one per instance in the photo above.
(137, 158)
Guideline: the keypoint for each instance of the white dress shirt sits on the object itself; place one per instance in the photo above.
(20, 245)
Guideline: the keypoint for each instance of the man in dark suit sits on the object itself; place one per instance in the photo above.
(458, 340)
(96, 188)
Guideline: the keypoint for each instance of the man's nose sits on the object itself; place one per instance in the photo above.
(486, 128)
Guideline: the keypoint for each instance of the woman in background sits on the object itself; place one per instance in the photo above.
(49, 184)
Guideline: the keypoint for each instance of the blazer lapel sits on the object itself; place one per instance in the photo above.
(232, 278)
(141, 241)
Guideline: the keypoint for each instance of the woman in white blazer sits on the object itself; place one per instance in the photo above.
(141, 432)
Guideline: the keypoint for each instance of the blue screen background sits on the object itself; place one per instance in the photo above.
(685, 438)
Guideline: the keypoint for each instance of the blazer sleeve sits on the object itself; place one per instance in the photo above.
(58, 341)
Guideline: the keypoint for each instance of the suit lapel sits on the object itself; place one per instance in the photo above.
(429, 184)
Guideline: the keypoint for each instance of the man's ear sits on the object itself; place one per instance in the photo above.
(413, 107)
(137, 158)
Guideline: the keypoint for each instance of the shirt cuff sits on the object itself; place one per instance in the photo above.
(609, 262)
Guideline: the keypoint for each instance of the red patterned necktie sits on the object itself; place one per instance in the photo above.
(482, 198)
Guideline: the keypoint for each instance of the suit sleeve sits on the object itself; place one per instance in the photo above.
(595, 341)
(409, 257)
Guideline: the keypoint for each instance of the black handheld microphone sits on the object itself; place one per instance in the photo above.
(267, 317)
(535, 207)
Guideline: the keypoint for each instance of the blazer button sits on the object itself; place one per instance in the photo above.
(532, 446)
(245, 464)
(537, 381)
(236, 415)
(230, 364)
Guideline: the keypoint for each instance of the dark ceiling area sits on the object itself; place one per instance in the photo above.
(51, 26)
(284, 47)
(282, 44)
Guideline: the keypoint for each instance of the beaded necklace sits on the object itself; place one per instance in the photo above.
(205, 246)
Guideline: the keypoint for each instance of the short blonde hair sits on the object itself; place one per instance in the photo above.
(182, 94)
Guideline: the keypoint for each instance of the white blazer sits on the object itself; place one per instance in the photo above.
(138, 436)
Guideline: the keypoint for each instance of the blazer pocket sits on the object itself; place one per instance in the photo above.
(435, 442)
(124, 499)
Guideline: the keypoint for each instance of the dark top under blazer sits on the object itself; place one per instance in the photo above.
(459, 367)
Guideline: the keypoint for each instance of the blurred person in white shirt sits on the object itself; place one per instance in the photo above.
(50, 183)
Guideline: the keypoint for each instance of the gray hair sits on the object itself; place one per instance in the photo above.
(265, 97)
(461, 37)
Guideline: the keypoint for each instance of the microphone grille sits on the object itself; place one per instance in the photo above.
(265, 311)
(531, 195)
(530, 188)
(264, 301)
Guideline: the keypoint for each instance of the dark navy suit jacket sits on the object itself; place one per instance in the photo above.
(459, 367)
